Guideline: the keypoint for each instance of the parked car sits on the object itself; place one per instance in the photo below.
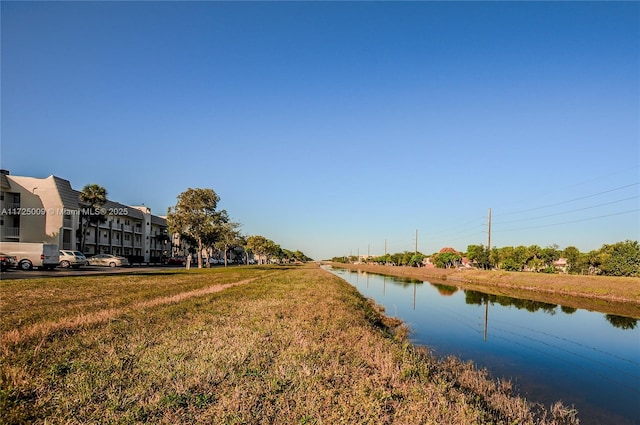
(107, 260)
(175, 261)
(74, 259)
(29, 255)
(7, 261)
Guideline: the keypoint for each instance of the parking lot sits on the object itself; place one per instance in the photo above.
(83, 271)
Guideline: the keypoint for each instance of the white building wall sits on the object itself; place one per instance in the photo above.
(40, 209)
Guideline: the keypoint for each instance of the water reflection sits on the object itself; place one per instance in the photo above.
(445, 290)
(622, 322)
(550, 352)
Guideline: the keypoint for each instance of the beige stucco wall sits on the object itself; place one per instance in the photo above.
(33, 217)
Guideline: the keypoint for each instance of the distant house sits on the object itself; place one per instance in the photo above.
(561, 265)
(426, 262)
(465, 263)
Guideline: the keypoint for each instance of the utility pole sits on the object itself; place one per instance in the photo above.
(489, 241)
(385, 252)
(416, 252)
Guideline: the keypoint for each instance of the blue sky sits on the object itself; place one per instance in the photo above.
(332, 127)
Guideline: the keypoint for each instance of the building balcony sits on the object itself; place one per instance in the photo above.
(10, 232)
(10, 205)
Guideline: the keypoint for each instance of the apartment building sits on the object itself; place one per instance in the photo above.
(49, 210)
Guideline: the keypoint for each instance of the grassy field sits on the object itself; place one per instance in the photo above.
(246, 345)
(606, 294)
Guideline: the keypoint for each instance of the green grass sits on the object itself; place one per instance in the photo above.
(292, 346)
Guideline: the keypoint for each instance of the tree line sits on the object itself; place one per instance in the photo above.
(197, 219)
(618, 259)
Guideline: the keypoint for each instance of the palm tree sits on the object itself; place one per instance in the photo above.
(93, 196)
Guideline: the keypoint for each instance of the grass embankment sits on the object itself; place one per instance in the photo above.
(606, 294)
(242, 345)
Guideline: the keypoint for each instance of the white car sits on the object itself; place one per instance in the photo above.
(107, 260)
(74, 259)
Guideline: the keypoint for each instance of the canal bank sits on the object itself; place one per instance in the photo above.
(606, 294)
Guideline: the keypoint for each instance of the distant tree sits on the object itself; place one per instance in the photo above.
(242, 245)
(520, 257)
(195, 216)
(501, 255)
(536, 264)
(511, 265)
(93, 196)
(534, 251)
(273, 250)
(575, 260)
(550, 254)
(478, 255)
(287, 255)
(446, 258)
(300, 256)
(228, 238)
(534, 258)
(494, 257)
(258, 245)
(594, 260)
(416, 259)
(620, 259)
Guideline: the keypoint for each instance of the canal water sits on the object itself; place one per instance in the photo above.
(585, 359)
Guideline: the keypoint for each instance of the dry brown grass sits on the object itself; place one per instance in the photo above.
(27, 302)
(296, 346)
(45, 329)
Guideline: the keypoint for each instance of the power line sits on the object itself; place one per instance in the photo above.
(570, 211)
(570, 200)
(595, 178)
(570, 222)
